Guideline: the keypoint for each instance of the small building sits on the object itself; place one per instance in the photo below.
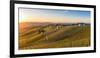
(82, 24)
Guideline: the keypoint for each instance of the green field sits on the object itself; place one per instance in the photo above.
(66, 36)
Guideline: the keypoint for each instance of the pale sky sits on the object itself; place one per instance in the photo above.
(53, 15)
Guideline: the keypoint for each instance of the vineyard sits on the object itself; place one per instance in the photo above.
(40, 37)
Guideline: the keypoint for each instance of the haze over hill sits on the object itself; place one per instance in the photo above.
(28, 24)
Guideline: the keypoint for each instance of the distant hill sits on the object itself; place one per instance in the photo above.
(29, 24)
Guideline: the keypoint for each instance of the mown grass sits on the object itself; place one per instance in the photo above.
(67, 36)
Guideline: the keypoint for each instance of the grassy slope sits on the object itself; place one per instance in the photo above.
(65, 37)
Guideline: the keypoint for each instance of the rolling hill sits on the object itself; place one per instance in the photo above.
(66, 36)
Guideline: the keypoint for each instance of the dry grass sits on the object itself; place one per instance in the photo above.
(67, 36)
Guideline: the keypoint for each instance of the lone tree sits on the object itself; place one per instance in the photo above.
(41, 30)
(58, 26)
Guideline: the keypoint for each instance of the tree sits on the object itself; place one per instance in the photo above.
(41, 30)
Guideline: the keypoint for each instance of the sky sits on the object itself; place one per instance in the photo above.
(53, 15)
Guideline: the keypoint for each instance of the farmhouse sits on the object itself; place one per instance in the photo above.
(82, 24)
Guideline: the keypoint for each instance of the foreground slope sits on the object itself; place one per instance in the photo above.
(67, 36)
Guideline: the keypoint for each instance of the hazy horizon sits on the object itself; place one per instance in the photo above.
(54, 22)
(53, 16)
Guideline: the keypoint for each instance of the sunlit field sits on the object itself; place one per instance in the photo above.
(41, 36)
